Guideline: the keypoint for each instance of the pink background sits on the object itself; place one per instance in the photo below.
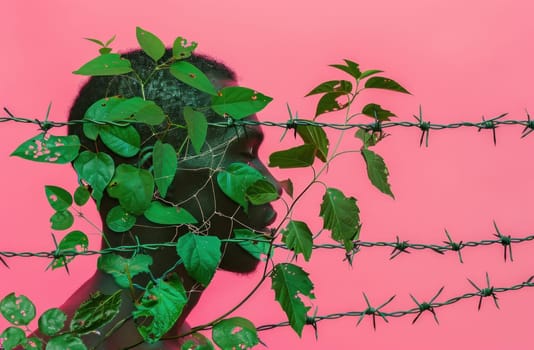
(460, 60)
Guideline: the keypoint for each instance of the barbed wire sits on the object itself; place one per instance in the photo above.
(376, 126)
(399, 246)
(421, 307)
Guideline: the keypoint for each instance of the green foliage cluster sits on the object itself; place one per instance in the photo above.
(139, 191)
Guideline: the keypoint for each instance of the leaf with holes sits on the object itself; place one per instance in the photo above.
(18, 311)
(136, 109)
(352, 68)
(65, 341)
(160, 308)
(107, 64)
(75, 241)
(289, 283)
(165, 164)
(133, 187)
(48, 148)
(198, 342)
(377, 112)
(11, 337)
(181, 50)
(97, 170)
(192, 76)
(239, 102)
(377, 171)
(150, 44)
(62, 220)
(101, 110)
(159, 213)
(368, 138)
(235, 333)
(298, 237)
(384, 83)
(340, 215)
(296, 157)
(32, 343)
(255, 244)
(122, 268)
(331, 102)
(236, 179)
(96, 312)
(58, 198)
(316, 136)
(119, 220)
(201, 255)
(261, 192)
(338, 86)
(197, 127)
(52, 321)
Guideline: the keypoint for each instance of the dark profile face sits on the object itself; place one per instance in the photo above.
(195, 188)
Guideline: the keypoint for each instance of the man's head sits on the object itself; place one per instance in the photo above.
(194, 187)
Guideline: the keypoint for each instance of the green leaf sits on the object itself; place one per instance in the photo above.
(316, 136)
(133, 187)
(337, 86)
(107, 64)
(120, 220)
(384, 83)
(255, 244)
(167, 215)
(150, 43)
(352, 68)
(165, 164)
(235, 333)
(239, 102)
(261, 192)
(122, 140)
(97, 170)
(96, 312)
(65, 341)
(136, 109)
(340, 215)
(81, 195)
(59, 198)
(192, 76)
(368, 138)
(201, 255)
(32, 343)
(330, 102)
(101, 111)
(52, 321)
(160, 308)
(377, 171)
(376, 111)
(298, 237)
(199, 342)
(296, 157)
(11, 337)
(236, 179)
(289, 282)
(181, 50)
(369, 72)
(18, 311)
(75, 241)
(197, 127)
(48, 148)
(61, 220)
(122, 268)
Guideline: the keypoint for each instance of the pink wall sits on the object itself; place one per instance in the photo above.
(460, 59)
